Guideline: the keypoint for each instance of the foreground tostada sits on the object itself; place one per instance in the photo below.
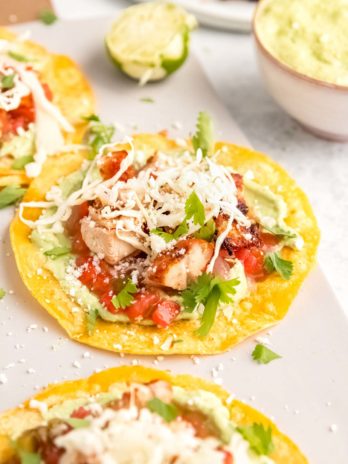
(138, 415)
(43, 98)
(156, 246)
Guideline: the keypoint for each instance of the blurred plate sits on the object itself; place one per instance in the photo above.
(234, 15)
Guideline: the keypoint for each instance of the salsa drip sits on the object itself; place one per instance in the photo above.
(248, 245)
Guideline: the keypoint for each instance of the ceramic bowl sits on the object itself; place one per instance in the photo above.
(319, 106)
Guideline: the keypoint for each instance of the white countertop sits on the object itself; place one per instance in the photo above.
(320, 167)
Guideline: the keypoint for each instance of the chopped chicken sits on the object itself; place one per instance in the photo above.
(177, 267)
(239, 236)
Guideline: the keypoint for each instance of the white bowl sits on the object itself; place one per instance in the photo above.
(319, 106)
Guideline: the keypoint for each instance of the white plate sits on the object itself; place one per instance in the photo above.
(305, 391)
(233, 15)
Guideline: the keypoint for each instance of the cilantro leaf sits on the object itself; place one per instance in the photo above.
(259, 438)
(10, 195)
(167, 237)
(18, 56)
(77, 423)
(56, 252)
(92, 317)
(204, 136)
(147, 100)
(91, 117)
(207, 231)
(99, 134)
(209, 313)
(29, 458)
(2, 293)
(274, 262)
(210, 291)
(167, 411)
(7, 81)
(181, 230)
(19, 163)
(280, 232)
(47, 17)
(264, 355)
(125, 297)
(194, 209)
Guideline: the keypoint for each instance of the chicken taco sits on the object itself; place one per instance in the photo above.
(156, 246)
(142, 416)
(42, 99)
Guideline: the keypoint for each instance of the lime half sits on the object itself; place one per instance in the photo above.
(151, 40)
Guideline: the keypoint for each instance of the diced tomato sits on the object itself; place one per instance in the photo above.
(144, 303)
(47, 91)
(97, 279)
(111, 164)
(253, 261)
(269, 240)
(165, 312)
(11, 121)
(106, 301)
(80, 413)
(51, 454)
(200, 422)
(228, 457)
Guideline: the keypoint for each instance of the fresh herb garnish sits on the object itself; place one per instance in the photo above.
(56, 252)
(47, 17)
(204, 136)
(99, 134)
(264, 355)
(194, 209)
(280, 232)
(125, 297)
(77, 423)
(92, 317)
(273, 262)
(147, 100)
(167, 411)
(2, 293)
(18, 56)
(10, 195)
(29, 458)
(7, 81)
(209, 291)
(259, 438)
(179, 340)
(207, 231)
(19, 163)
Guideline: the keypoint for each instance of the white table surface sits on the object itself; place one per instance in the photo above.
(320, 167)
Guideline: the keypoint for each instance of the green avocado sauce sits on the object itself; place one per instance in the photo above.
(310, 36)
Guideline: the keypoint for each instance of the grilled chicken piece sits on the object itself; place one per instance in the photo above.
(183, 263)
(239, 236)
(103, 241)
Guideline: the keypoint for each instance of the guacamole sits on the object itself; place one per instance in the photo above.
(310, 36)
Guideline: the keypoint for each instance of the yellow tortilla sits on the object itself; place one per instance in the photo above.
(16, 421)
(266, 305)
(71, 91)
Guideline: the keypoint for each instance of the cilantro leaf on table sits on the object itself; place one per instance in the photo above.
(47, 17)
(259, 438)
(2, 293)
(92, 317)
(264, 355)
(274, 263)
(194, 209)
(207, 231)
(56, 252)
(167, 411)
(204, 136)
(10, 195)
(125, 297)
(147, 100)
